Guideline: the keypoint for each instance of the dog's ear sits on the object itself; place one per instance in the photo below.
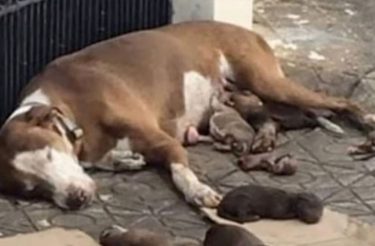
(41, 116)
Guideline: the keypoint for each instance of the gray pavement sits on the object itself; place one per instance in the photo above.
(326, 45)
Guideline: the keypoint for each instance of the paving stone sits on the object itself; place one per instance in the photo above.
(365, 193)
(364, 94)
(324, 193)
(351, 207)
(15, 222)
(369, 218)
(324, 45)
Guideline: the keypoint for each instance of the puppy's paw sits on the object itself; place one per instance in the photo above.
(354, 150)
(369, 119)
(204, 196)
(284, 165)
(263, 142)
(112, 230)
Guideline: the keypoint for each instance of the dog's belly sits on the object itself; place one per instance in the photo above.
(198, 94)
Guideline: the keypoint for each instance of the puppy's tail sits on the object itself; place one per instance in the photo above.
(329, 125)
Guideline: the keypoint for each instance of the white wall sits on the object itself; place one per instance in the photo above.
(239, 12)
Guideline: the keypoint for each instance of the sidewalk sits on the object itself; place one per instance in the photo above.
(326, 45)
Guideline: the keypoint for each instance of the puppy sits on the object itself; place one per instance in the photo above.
(227, 235)
(253, 202)
(117, 236)
(268, 118)
(269, 162)
(231, 131)
(366, 149)
(228, 131)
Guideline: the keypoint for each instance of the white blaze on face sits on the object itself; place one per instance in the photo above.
(58, 169)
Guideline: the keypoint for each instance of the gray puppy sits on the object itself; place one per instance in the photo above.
(227, 235)
(253, 202)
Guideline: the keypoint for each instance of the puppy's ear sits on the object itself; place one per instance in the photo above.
(41, 116)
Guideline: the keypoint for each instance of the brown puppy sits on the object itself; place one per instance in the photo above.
(228, 131)
(117, 236)
(253, 202)
(268, 118)
(270, 162)
(227, 235)
(366, 149)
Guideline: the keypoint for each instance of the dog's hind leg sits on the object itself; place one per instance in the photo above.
(265, 78)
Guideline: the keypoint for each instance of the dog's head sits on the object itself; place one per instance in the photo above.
(246, 103)
(309, 207)
(37, 159)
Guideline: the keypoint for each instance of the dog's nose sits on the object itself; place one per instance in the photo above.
(78, 198)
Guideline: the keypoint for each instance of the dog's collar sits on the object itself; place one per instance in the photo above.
(72, 130)
(63, 123)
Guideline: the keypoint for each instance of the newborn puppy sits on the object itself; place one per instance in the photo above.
(253, 111)
(269, 162)
(227, 235)
(276, 116)
(366, 149)
(256, 112)
(117, 236)
(253, 202)
(231, 131)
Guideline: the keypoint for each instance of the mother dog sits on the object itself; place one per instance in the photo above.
(130, 100)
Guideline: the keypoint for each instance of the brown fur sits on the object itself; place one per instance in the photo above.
(134, 237)
(270, 162)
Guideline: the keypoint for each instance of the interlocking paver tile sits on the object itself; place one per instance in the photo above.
(325, 45)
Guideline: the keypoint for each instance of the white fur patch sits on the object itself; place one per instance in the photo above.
(195, 191)
(121, 158)
(225, 68)
(123, 144)
(19, 111)
(59, 169)
(370, 119)
(37, 96)
(198, 91)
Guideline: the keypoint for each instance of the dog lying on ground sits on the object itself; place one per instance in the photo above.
(227, 235)
(270, 162)
(253, 202)
(118, 236)
(138, 93)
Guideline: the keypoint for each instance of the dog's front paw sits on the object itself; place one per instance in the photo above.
(127, 161)
(194, 191)
(264, 141)
(204, 196)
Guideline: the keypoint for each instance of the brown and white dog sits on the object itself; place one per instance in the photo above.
(129, 100)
